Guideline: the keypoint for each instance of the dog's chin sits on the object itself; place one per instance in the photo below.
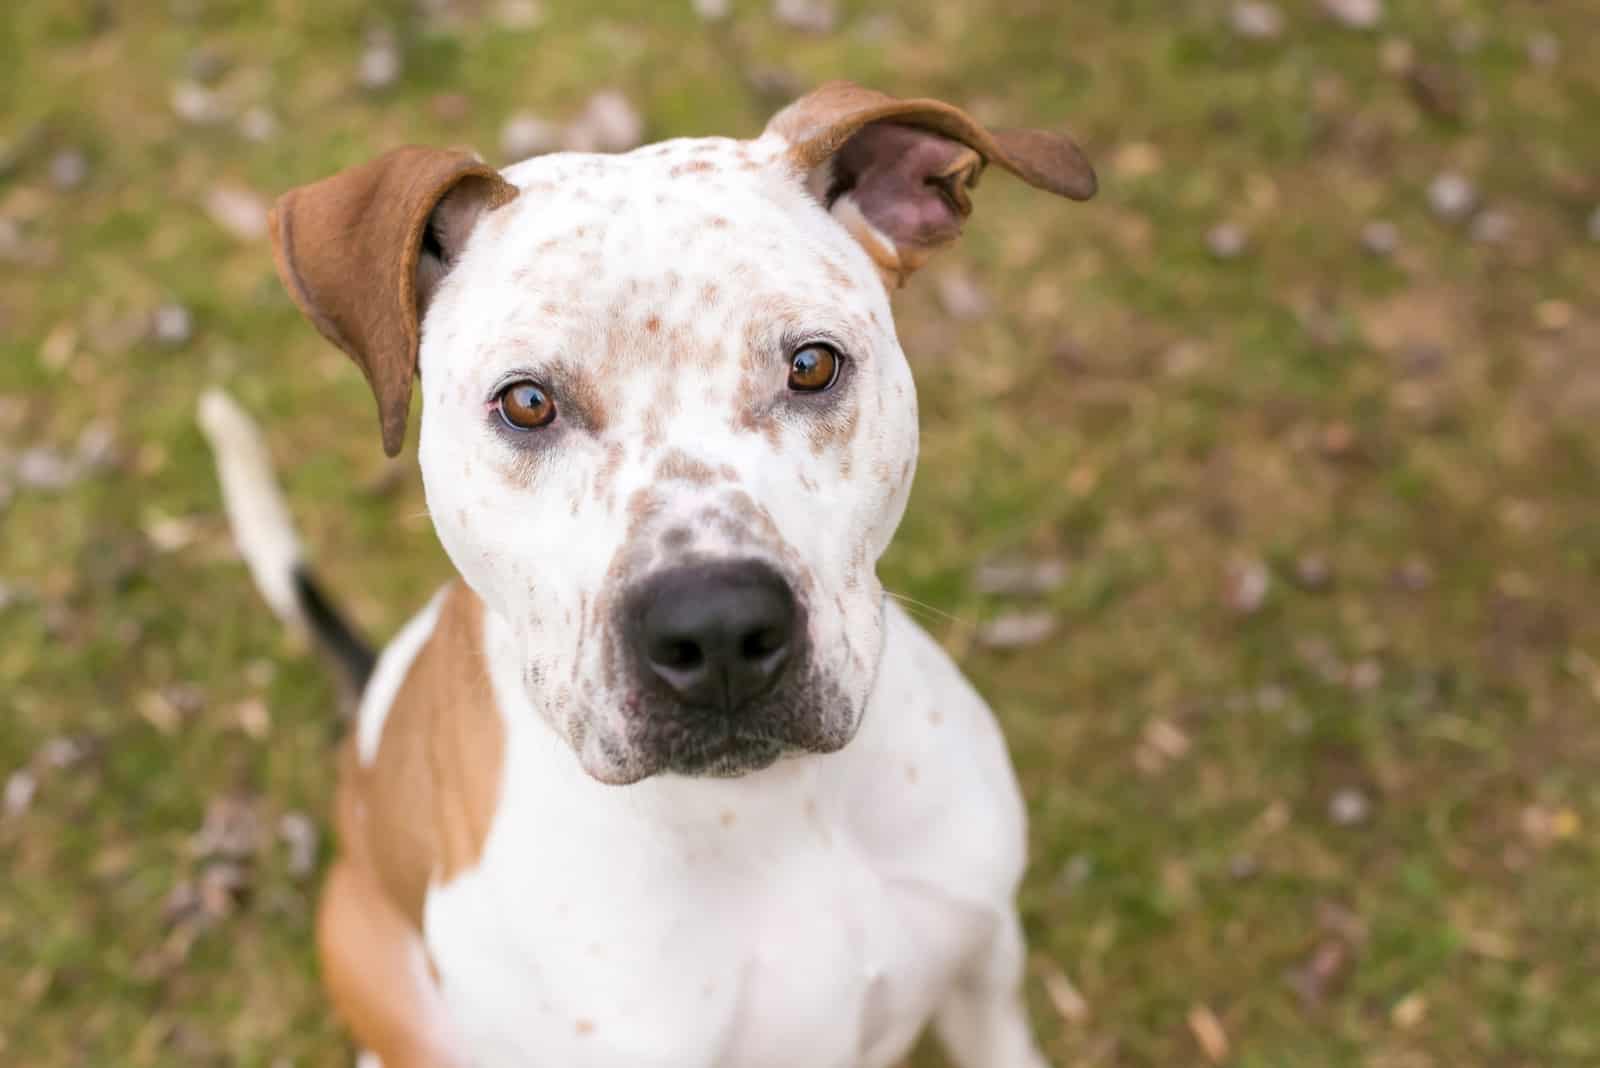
(726, 758)
(728, 753)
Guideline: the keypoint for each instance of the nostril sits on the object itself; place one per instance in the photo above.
(681, 654)
(762, 642)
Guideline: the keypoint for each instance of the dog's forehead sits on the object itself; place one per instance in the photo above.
(722, 216)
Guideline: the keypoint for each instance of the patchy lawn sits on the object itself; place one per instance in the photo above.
(1297, 423)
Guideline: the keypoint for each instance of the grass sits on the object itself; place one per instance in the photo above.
(1156, 417)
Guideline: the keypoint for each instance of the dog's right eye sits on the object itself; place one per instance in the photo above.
(525, 405)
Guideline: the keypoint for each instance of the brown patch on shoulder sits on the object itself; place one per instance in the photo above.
(678, 465)
(425, 804)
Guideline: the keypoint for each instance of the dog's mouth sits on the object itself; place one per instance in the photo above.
(664, 737)
(725, 757)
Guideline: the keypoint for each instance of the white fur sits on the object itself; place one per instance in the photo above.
(813, 915)
(262, 528)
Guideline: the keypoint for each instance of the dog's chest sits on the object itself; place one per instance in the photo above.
(771, 937)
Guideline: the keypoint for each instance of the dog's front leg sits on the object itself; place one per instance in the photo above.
(983, 1023)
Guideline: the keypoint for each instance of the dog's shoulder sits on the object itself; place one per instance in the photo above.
(417, 800)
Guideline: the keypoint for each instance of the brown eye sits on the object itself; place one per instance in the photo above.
(525, 406)
(813, 368)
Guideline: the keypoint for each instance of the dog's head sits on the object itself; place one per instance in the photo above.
(667, 427)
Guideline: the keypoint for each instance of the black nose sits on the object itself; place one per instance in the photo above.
(717, 635)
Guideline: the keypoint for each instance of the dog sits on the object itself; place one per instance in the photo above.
(664, 778)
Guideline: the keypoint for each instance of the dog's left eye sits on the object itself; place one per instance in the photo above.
(814, 367)
(525, 405)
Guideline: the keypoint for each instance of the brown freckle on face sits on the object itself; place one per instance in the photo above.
(642, 505)
(550, 307)
(608, 470)
(681, 467)
(718, 222)
(585, 1027)
(653, 324)
(911, 773)
(935, 716)
(654, 426)
(730, 473)
(698, 166)
(708, 293)
(729, 817)
(837, 275)
(835, 431)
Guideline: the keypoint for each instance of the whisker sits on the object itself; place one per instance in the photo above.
(932, 610)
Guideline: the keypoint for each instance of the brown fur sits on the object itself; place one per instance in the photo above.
(348, 247)
(418, 814)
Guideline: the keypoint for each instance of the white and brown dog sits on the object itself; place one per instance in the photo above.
(664, 779)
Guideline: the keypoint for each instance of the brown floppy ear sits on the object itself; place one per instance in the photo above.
(361, 253)
(898, 173)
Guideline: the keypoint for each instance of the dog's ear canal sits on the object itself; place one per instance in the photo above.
(898, 174)
(362, 253)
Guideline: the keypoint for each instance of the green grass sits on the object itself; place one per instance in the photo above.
(1132, 405)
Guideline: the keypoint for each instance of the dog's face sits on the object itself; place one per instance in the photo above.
(667, 427)
(611, 397)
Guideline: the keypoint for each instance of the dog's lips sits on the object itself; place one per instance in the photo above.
(732, 755)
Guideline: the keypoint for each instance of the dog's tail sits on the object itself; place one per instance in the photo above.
(266, 538)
